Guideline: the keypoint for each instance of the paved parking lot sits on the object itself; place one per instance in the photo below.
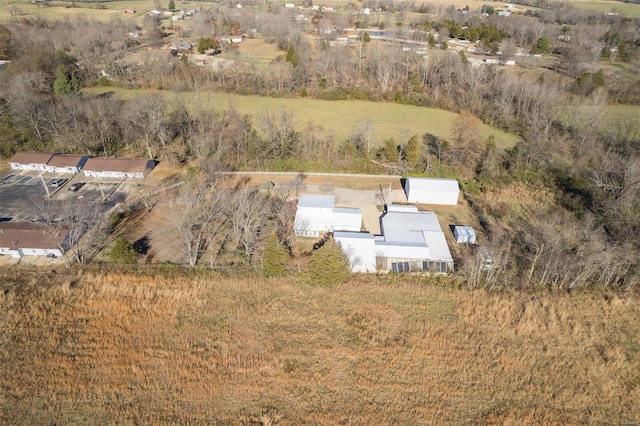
(16, 191)
(19, 190)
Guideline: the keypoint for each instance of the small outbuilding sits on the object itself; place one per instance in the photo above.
(432, 191)
(119, 168)
(464, 234)
(30, 160)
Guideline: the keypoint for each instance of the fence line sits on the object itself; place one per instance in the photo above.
(311, 174)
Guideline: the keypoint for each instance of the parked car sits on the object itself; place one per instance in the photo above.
(76, 186)
(56, 183)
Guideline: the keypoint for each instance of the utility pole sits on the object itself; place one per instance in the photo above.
(46, 188)
(100, 187)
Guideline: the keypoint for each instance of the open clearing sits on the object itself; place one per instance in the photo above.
(102, 11)
(255, 51)
(626, 9)
(106, 348)
(390, 120)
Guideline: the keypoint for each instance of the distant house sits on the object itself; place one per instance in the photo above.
(119, 168)
(30, 160)
(410, 241)
(64, 163)
(19, 239)
(231, 39)
(464, 234)
(432, 191)
(316, 215)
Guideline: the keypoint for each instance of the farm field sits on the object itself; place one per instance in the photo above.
(626, 9)
(95, 347)
(390, 120)
(102, 11)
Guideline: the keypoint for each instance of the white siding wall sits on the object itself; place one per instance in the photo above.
(68, 169)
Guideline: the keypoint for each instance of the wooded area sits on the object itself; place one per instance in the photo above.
(571, 66)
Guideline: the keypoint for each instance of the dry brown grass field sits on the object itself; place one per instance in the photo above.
(109, 348)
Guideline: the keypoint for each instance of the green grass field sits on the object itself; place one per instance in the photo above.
(103, 11)
(630, 111)
(390, 120)
(626, 9)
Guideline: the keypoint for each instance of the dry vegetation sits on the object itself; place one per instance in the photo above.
(100, 348)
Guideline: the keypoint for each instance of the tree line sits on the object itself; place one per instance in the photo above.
(588, 161)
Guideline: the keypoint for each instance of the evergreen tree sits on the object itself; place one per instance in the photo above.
(542, 46)
(123, 252)
(275, 257)
(66, 83)
(172, 5)
(412, 151)
(292, 56)
(329, 266)
(463, 56)
(5, 42)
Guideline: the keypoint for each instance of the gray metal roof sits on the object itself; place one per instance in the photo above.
(318, 201)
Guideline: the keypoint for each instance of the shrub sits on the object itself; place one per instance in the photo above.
(275, 257)
(328, 266)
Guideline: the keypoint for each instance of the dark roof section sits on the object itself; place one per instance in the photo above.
(31, 157)
(126, 165)
(28, 235)
(66, 160)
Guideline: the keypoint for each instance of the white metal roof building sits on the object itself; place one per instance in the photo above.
(411, 241)
(432, 191)
(316, 214)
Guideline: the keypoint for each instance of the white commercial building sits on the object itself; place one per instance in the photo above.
(316, 215)
(432, 191)
(411, 241)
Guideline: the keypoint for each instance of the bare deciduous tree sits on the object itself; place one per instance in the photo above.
(88, 231)
(193, 214)
(249, 214)
(280, 137)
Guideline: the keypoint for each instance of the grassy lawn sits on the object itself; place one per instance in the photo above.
(623, 111)
(254, 51)
(390, 120)
(626, 9)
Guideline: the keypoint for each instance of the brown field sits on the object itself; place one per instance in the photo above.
(107, 348)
